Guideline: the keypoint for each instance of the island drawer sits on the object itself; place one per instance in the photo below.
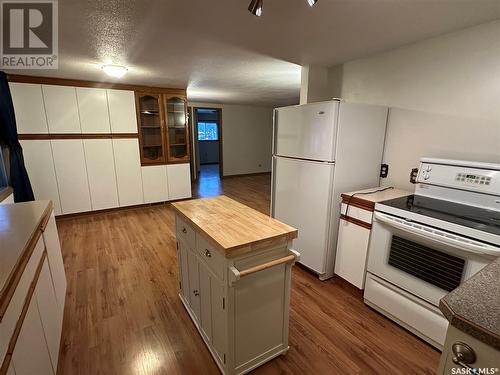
(211, 256)
(185, 232)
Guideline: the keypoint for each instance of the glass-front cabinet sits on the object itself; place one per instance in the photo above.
(163, 128)
(177, 125)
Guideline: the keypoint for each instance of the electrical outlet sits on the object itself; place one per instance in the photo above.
(384, 170)
(414, 175)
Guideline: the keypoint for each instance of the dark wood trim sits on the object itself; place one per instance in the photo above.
(358, 202)
(109, 210)
(352, 220)
(46, 216)
(247, 174)
(221, 141)
(15, 276)
(24, 311)
(4, 193)
(83, 83)
(26, 137)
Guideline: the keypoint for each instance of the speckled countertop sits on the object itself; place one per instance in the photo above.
(474, 307)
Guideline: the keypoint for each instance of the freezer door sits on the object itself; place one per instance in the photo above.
(306, 131)
(301, 198)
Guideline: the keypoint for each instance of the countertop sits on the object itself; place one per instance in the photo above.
(474, 307)
(231, 225)
(368, 201)
(5, 192)
(20, 226)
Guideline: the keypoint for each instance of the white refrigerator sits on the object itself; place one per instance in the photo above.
(321, 150)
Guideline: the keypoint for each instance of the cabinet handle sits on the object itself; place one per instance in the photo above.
(463, 355)
(184, 230)
(196, 293)
(208, 254)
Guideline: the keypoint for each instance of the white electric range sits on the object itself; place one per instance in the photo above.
(424, 245)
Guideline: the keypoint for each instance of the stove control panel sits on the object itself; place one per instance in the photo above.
(477, 177)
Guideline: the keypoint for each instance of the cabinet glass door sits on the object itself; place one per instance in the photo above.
(150, 129)
(177, 125)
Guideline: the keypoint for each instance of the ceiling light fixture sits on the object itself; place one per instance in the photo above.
(311, 2)
(116, 71)
(255, 7)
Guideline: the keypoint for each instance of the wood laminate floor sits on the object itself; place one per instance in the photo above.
(123, 314)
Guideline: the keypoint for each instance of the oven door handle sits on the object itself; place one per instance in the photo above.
(437, 235)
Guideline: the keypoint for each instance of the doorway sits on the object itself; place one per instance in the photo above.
(207, 131)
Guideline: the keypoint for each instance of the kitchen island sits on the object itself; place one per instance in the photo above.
(235, 272)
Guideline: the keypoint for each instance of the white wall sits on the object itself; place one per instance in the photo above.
(246, 137)
(446, 94)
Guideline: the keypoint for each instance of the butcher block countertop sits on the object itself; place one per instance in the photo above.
(230, 225)
(20, 228)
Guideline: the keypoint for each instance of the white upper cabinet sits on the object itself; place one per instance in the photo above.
(61, 108)
(29, 108)
(40, 166)
(179, 181)
(154, 183)
(128, 171)
(101, 173)
(122, 111)
(93, 108)
(71, 171)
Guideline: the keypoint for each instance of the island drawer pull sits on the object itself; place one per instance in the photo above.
(184, 230)
(208, 254)
(237, 274)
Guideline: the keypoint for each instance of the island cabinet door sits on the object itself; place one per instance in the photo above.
(194, 284)
(206, 280)
(182, 259)
(218, 302)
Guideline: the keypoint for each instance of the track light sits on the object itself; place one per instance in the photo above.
(311, 2)
(255, 7)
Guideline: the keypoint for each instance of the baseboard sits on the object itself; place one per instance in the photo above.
(247, 174)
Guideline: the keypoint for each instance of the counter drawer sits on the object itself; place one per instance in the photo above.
(211, 256)
(185, 232)
(13, 312)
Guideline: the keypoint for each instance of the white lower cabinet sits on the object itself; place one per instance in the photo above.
(128, 172)
(36, 347)
(71, 172)
(179, 181)
(244, 322)
(154, 183)
(56, 264)
(40, 167)
(51, 315)
(11, 370)
(352, 251)
(31, 355)
(101, 173)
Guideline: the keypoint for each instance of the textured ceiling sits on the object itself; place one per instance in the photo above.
(222, 53)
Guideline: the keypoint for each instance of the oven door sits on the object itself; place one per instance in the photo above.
(422, 260)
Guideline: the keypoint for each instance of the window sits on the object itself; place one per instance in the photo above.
(207, 131)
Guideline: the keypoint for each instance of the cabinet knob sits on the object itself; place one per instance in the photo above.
(463, 354)
(196, 293)
(208, 254)
(184, 230)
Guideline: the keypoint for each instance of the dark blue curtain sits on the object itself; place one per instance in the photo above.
(19, 179)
